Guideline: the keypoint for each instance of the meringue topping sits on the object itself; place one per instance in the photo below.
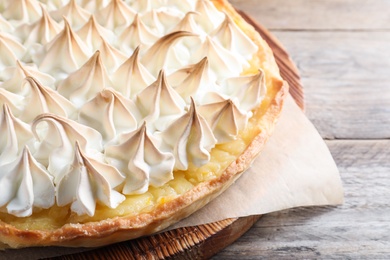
(161, 20)
(75, 15)
(209, 18)
(20, 72)
(92, 33)
(136, 34)
(42, 31)
(87, 181)
(143, 164)
(159, 103)
(56, 137)
(232, 38)
(15, 134)
(111, 57)
(64, 54)
(5, 26)
(110, 113)
(163, 55)
(23, 11)
(132, 77)
(86, 82)
(116, 14)
(188, 24)
(40, 99)
(190, 139)
(24, 184)
(10, 50)
(225, 119)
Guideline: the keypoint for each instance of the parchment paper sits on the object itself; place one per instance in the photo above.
(294, 169)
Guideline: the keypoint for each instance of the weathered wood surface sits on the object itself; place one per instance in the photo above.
(342, 50)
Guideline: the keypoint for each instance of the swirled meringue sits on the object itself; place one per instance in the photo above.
(209, 18)
(159, 104)
(230, 36)
(92, 33)
(116, 14)
(10, 50)
(93, 6)
(163, 55)
(131, 77)
(136, 34)
(52, 5)
(75, 14)
(42, 31)
(57, 136)
(87, 181)
(64, 54)
(193, 81)
(16, 75)
(5, 26)
(22, 11)
(188, 24)
(39, 99)
(189, 138)
(24, 184)
(112, 58)
(110, 113)
(15, 134)
(248, 91)
(223, 63)
(161, 20)
(83, 84)
(143, 164)
(14, 101)
(225, 119)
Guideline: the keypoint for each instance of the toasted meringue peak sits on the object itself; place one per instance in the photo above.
(25, 184)
(110, 113)
(233, 38)
(223, 63)
(83, 84)
(40, 99)
(10, 50)
(132, 77)
(56, 137)
(75, 14)
(93, 6)
(112, 58)
(20, 72)
(92, 33)
(136, 34)
(163, 55)
(225, 119)
(15, 134)
(190, 139)
(140, 161)
(116, 14)
(14, 101)
(87, 181)
(5, 26)
(64, 54)
(161, 20)
(209, 18)
(193, 80)
(42, 31)
(23, 11)
(160, 104)
(249, 91)
(188, 24)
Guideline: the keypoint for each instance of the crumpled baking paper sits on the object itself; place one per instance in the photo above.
(294, 169)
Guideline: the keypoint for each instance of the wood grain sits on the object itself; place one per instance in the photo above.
(334, 15)
(357, 229)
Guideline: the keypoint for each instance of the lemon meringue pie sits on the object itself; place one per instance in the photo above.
(119, 118)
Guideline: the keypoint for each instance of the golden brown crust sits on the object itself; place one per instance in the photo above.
(123, 228)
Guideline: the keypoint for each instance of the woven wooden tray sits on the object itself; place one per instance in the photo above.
(202, 241)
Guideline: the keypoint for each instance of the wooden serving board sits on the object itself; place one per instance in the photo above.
(202, 241)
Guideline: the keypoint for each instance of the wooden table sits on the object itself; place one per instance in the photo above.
(342, 50)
